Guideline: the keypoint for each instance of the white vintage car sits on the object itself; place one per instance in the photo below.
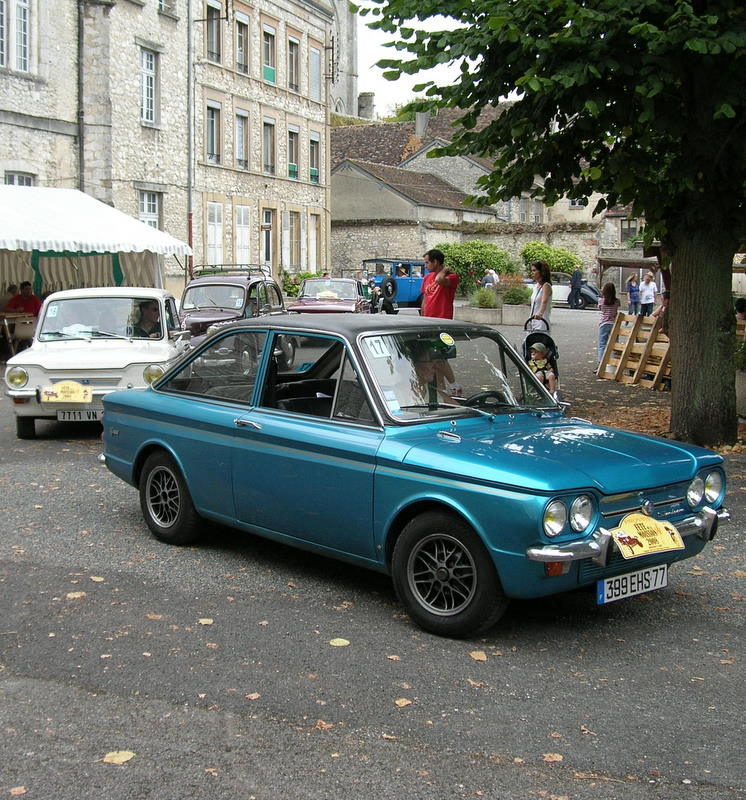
(89, 342)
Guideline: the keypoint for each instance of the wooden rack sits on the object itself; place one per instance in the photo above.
(637, 352)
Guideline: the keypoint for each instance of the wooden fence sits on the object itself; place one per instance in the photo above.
(637, 352)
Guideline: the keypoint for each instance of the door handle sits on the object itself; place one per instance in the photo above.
(239, 422)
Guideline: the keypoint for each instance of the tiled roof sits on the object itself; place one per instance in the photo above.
(391, 142)
(420, 187)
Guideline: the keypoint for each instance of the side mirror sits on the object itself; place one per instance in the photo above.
(179, 336)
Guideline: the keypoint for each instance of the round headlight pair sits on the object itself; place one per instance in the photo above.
(16, 377)
(152, 372)
(556, 515)
(708, 488)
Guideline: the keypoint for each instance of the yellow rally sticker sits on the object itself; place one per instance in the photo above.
(640, 535)
(66, 392)
(446, 338)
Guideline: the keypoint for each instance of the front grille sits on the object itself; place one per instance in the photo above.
(669, 501)
(589, 571)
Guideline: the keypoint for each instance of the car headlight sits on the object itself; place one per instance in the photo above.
(695, 492)
(555, 518)
(16, 377)
(152, 372)
(581, 513)
(713, 487)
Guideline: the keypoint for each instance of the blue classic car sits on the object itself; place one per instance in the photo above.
(423, 448)
(399, 279)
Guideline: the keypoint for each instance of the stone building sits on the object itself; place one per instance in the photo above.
(204, 118)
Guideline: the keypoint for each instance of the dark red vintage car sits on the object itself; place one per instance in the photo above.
(330, 296)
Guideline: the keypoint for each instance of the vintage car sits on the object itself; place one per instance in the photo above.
(89, 342)
(398, 279)
(330, 296)
(423, 448)
(589, 293)
(224, 293)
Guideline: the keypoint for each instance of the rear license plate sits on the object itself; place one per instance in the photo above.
(80, 415)
(631, 583)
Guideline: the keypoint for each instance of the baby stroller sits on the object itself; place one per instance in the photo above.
(543, 339)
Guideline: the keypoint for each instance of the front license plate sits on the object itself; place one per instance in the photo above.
(640, 535)
(80, 415)
(631, 583)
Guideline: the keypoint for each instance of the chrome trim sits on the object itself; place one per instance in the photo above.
(619, 511)
(704, 525)
(239, 422)
(449, 435)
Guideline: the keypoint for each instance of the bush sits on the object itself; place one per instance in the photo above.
(470, 260)
(559, 260)
(291, 281)
(483, 298)
(517, 295)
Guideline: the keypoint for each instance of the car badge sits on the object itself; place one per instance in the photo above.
(647, 507)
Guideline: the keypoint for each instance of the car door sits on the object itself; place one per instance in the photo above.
(304, 458)
(560, 287)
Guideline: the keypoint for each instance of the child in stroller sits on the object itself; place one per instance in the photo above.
(542, 354)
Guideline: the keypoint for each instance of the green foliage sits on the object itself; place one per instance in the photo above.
(483, 297)
(291, 281)
(470, 260)
(559, 259)
(516, 295)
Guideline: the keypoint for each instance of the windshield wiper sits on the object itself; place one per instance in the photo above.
(432, 406)
(110, 335)
(63, 335)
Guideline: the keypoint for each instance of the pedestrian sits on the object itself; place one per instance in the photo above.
(576, 281)
(491, 279)
(26, 302)
(438, 287)
(648, 291)
(633, 295)
(662, 311)
(9, 295)
(541, 297)
(740, 308)
(607, 307)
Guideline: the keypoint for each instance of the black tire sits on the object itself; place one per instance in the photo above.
(388, 288)
(25, 428)
(165, 501)
(445, 578)
(581, 303)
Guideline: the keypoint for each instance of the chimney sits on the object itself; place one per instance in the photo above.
(420, 123)
(365, 104)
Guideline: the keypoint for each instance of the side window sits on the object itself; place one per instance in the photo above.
(172, 318)
(522, 388)
(304, 374)
(251, 306)
(351, 402)
(226, 370)
(274, 297)
(262, 304)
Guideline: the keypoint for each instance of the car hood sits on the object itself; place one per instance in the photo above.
(200, 320)
(538, 454)
(322, 305)
(94, 354)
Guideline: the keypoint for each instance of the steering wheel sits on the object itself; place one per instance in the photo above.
(498, 398)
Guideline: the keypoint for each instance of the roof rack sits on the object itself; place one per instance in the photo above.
(418, 261)
(224, 269)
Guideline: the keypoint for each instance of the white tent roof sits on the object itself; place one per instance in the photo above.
(39, 218)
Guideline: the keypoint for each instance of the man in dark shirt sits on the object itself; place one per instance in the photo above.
(576, 281)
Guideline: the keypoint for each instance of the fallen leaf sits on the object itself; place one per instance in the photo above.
(553, 757)
(401, 702)
(75, 595)
(118, 757)
(478, 655)
(518, 761)
(205, 621)
(212, 645)
(555, 735)
(339, 642)
(154, 616)
(96, 579)
(583, 729)
(394, 658)
(388, 737)
(322, 726)
(211, 771)
(17, 790)
(252, 696)
(475, 684)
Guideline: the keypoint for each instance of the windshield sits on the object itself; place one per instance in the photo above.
(212, 295)
(433, 374)
(329, 290)
(103, 318)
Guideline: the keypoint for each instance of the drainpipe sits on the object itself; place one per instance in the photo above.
(81, 112)
(190, 142)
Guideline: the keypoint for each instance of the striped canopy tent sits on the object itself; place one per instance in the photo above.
(66, 239)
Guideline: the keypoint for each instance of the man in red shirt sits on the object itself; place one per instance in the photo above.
(438, 287)
(26, 302)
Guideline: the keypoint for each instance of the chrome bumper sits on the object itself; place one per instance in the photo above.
(703, 524)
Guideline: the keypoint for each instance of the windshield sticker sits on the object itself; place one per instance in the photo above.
(447, 339)
(52, 311)
(377, 347)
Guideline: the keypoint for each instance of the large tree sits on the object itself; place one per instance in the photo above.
(642, 101)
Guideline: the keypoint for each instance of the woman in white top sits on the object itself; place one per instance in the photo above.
(647, 295)
(541, 297)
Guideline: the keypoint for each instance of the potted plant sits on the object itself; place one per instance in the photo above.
(485, 307)
(516, 296)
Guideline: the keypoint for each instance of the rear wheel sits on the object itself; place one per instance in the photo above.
(165, 501)
(445, 578)
(25, 428)
(388, 288)
(581, 302)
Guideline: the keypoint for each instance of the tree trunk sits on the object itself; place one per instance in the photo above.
(702, 333)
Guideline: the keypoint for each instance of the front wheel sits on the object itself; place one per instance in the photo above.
(445, 578)
(581, 303)
(165, 501)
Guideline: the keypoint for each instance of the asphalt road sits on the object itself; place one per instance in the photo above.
(213, 664)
